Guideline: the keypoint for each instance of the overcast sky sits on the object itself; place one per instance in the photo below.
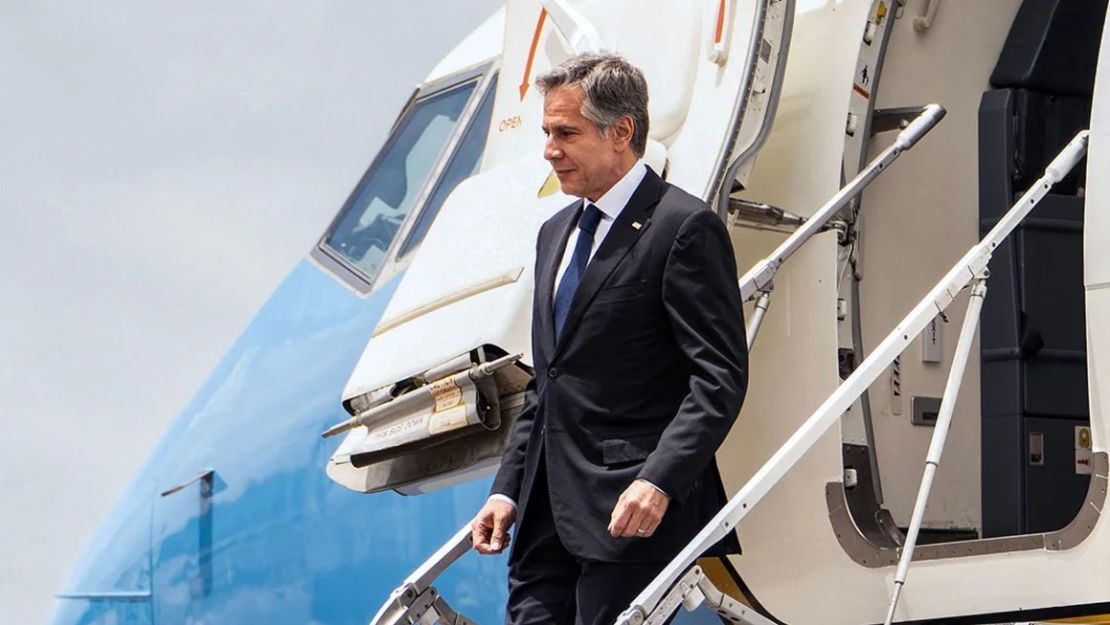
(162, 166)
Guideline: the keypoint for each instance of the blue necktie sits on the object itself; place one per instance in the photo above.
(564, 295)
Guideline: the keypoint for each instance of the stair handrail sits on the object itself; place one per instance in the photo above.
(758, 282)
(395, 610)
(762, 274)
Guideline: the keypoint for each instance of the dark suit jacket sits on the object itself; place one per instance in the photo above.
(645, 382)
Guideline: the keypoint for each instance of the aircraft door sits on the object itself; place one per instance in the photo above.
(928, 212)
(182, 540)
(420, 418)
(713, 70)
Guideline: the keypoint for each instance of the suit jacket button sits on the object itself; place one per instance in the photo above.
(553, 373)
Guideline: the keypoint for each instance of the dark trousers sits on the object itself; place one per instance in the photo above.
(548, 585)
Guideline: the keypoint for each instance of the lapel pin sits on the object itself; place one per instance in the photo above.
(636, 225)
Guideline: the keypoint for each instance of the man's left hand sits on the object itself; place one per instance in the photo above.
(638, 512)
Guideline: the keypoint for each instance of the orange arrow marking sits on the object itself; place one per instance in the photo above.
(532, 54)
(720, 23)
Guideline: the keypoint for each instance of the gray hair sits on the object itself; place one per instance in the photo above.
(613, 88)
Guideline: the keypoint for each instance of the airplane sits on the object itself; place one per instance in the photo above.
(404, 333)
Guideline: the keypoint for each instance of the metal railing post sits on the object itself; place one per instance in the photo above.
(940, 436)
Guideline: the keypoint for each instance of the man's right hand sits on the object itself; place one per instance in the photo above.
(490, 529)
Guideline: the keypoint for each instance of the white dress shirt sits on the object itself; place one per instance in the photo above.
(610, 204)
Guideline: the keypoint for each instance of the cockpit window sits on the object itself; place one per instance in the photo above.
(464, 164)
(369, 222)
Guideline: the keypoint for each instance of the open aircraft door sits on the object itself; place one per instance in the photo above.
(433, 397)
(806, 558)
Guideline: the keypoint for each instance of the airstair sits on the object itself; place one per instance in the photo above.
(663, 596)
(682, 582)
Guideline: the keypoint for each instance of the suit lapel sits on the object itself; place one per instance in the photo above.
(550, 254)
(632, 222)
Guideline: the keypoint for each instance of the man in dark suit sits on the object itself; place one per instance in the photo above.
(641, 366)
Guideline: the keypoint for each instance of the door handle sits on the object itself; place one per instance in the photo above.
(925, 21)
(204, 476)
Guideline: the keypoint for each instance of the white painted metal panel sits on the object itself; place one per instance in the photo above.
(919, 218)
(485, 231)
(1096, 225)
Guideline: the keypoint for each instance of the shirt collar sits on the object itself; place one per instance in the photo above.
(613, 201)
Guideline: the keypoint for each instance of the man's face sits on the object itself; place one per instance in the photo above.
(586, 162)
